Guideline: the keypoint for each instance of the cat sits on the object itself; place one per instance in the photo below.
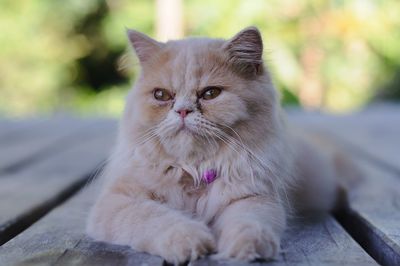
(205, 162)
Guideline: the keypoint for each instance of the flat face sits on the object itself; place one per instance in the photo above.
(192, 94)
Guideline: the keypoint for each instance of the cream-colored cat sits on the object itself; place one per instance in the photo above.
(204, 162)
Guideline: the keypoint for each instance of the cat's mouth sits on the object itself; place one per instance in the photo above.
(185, 129)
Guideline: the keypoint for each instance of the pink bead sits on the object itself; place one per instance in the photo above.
(209, 176)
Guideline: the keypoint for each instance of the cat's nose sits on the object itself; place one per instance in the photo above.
(184, 112)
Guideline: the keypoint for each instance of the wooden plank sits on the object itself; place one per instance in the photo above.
(10, 127)
(32, 189)
(319, 241)
(11, 130)
(30, 144)
(372, 139)
(373, 216)
(373, 133)
(59, 239)
(312, 240)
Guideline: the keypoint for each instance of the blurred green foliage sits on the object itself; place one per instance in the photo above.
(59, 56)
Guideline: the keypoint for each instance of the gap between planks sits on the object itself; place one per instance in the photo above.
(374, 241)
(28, 216)
(368, 234)
(13, 228)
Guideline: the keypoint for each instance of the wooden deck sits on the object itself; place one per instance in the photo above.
(45, 163)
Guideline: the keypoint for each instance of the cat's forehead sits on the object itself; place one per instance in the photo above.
(192, 63)
(195, 46)
(194, 53)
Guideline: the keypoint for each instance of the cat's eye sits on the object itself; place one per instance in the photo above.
(210, 93)
(162, 94)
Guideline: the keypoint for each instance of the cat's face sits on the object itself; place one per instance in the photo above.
(194, 92)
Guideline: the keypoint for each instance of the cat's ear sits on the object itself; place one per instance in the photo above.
(144, 46)
(245, 51)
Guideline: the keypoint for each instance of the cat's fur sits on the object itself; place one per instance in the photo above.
(154, 200)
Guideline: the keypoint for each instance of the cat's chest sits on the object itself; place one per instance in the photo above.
(186, 189)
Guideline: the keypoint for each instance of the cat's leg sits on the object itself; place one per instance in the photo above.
(250, 228)
(149, 226)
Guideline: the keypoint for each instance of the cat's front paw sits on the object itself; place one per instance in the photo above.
(186, 241)
(248, 242)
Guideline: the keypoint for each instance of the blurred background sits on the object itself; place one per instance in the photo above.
(72, 56)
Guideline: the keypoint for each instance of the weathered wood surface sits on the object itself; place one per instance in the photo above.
(373, 133)
(59, 239)
(371, 137)
(33, 189)
(373, 140)
(373, 216)
(9, 127)
(28, 143)
(313, 240)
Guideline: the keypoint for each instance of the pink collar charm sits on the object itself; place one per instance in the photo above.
(209, 176)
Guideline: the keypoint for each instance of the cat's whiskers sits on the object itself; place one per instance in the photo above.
(238, 149)
(277, 189)
(164, 130)
(204, 132)
(235, 144)
(147, 136)
(149, 133)
(211, 141)
(145, 140)
(231, 140)
(218, 131)
(214, 131)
